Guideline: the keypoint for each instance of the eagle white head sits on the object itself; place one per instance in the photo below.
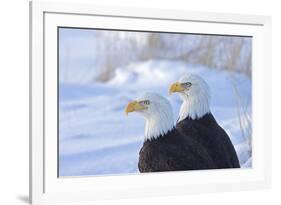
(157, 112)
(195, 94)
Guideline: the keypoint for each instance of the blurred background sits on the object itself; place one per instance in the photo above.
(101, 70)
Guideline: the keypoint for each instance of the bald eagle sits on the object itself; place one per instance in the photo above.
(195, 119)
(164, 148)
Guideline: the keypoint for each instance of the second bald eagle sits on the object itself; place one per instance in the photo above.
(196, 119)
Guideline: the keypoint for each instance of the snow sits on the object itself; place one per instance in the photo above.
(97, 138)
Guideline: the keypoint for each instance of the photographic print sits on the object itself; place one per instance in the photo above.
(142, 101)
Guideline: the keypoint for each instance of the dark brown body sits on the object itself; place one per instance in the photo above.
(213, 138)
(173, 152)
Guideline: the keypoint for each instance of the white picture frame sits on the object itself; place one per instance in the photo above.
(46, 187)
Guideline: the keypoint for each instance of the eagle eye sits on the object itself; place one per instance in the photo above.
(187, 84)
(145, 102)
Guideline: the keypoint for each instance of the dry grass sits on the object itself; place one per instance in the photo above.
(244, 117)
(217, 52)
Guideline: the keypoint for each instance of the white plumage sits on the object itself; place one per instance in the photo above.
(196, 99)
(158, 115)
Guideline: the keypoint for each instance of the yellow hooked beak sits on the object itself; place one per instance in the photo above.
(176, 87)
(134, 106)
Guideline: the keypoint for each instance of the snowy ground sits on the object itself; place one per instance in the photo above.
(97, 138)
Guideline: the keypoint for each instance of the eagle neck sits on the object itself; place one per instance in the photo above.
(158, 125)
(194, 107)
